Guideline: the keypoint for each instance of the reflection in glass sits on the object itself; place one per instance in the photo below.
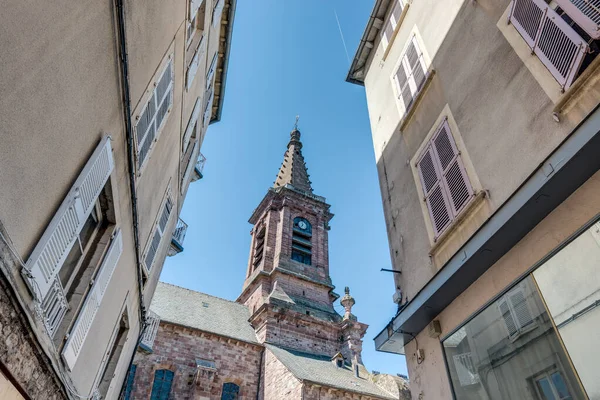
(511, 351)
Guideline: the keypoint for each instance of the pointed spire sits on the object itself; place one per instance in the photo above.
(293, 169)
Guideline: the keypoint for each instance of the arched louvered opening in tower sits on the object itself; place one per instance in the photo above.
(302, 241)
(259, 246)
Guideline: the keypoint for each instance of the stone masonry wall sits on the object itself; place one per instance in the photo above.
(312, 392)
(177, 348)
(279, 383)
(18, 350)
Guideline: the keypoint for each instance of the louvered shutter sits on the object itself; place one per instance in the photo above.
(415, 60)
(454, 177)
(437, 204)
(191, 124)
(189, 167)
(51, 251)
(403, 86)
(159, 232)
(208, 109)
(211, 72)
(192, 70)
(194, 6)
(507, 316)
(585, 13)
(518, 303)
(164, 94)
(217, 11)
(92, 302)
(558, 46)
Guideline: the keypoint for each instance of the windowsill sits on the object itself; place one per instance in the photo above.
(580, 86)
(395, 33)
(478, 198)
(411, 109)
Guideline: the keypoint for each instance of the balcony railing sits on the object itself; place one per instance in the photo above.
(178, 237)
(153, 320)
(199, 168)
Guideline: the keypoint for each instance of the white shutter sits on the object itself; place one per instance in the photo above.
(189, 167)
(51, 251)
(509, 321)
(192, 69)
(92, 302)
(194, 6)
(191, 123)
(217, 11)
(208, 109)
(211, 71)
(521, 312)
(159, 231)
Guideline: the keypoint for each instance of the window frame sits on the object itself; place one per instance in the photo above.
(302, 239)
(167, 199)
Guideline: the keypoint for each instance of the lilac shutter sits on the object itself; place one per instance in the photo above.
(417, 65)
(403, 85)
(585, 13)
(454, 177)
(437, 204)
(397, 12)
(558, 46)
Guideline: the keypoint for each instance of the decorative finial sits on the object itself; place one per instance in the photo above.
(347, 302)
(296, 124)
(347, 290)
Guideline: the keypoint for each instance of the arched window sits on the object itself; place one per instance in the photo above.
(301, 241)
(161, 388)
(231, 391)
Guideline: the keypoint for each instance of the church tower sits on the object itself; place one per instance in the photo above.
(288, 289)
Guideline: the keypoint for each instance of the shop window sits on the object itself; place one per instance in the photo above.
(507, 350)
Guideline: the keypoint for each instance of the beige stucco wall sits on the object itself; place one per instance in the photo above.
(503, 116)
(7, 390)
(430, 377)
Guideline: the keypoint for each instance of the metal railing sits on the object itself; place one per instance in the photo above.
(153, 320)
(200, 163)
(179, 232)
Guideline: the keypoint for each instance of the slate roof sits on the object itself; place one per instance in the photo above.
(320, 370)
(293, 169)
(204, 312)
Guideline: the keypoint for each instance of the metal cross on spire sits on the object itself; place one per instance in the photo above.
(296, 124)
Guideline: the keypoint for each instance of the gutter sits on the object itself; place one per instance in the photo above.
(120, 14)
(230, 18)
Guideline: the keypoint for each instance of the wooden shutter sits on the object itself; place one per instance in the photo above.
(402, 75)
(208, 109)
(161, 386)
(558, 46)
(507, 316)
(191, 124)
(190, 166)
(164, 94)
(585, 13)
(454, 177)
(51, 251)
(92, 302)
(437, 204)
(411, 73)
(159, 231)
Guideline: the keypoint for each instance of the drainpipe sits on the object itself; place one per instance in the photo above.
(120, 14)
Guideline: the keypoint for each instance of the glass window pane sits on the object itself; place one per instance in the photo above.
(507, 350)
(70, 263)
(88, 229)
(560, 386)
(546, 389)
(569, 283)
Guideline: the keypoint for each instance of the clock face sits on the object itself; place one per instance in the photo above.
(302, 225)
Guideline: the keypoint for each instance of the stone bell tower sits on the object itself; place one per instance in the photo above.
(288, 288)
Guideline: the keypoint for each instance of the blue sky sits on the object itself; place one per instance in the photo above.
(287, 58)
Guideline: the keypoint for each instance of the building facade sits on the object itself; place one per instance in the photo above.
(104, 112)
(282, 337)
(484, 117)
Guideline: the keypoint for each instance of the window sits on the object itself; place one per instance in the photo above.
(515, 312)
(129, 382)
(259, 247)
(446, 186)
(210, 74)
(301, 241)
(231, 391)
(159, 230)
(484, 362)
(116, 348)
(556, 41)
(152, 118)
(191, 131)
(161, 387)
(208, 108)
(55, 268)
(393, 20)
(410, 75)
(552, 387)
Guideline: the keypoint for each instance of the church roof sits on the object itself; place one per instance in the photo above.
(320, 370)
(203, 312)
(293, 170)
